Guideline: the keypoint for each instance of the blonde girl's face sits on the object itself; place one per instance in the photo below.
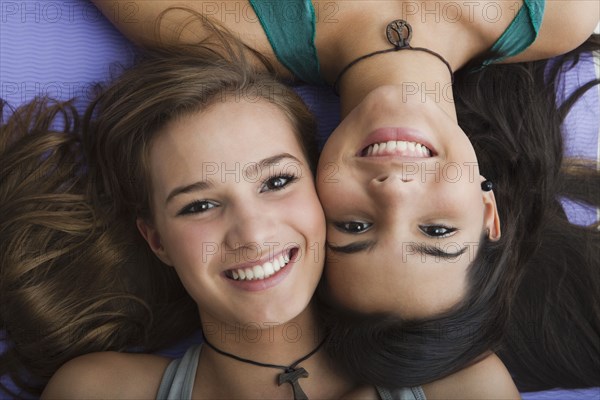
(236, 213)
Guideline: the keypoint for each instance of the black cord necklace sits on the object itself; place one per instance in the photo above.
(291, 373)
(399, 34)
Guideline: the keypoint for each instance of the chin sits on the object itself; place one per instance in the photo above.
(280, 315)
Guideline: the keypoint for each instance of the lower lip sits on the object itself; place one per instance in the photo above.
(395, 134)
(264, 284)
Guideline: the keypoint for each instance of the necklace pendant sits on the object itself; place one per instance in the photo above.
(396, 35)
(292, 377)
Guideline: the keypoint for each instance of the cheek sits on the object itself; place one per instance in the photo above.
(459, 195)
(189, 244)
(193, 252)
(326, 190)
(310, 215)
(332, 188)
(328, 168)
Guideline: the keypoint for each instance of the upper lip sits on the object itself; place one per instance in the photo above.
(262, 261)
(396, 134)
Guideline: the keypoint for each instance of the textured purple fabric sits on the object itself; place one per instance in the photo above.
(62, 49)
(57, 49)
(581, 128)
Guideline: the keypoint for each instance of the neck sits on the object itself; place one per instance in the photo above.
(414, 73)
(417, 73)
(219, 375)
(269, 342)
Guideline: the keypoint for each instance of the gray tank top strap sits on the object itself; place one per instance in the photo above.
(178, 380)
(411, 393)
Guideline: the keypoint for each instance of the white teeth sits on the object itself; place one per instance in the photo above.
(264, 271)
(269, 270)
(259, 273)
(408, 149)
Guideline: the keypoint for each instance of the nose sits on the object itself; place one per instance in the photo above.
(251, 226)
(388, 188)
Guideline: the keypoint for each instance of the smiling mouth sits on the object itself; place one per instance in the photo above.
(397, 148)
(262, 271)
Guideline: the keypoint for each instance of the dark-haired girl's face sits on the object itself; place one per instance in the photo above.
(235, 212)
(401, 190)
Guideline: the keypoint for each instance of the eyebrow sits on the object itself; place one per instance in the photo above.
(196, 186)
(269, 162)
(354, 247)
(207, 184)
(423, 249)
(437, 252)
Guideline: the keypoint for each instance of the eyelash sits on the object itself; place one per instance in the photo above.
(290, 178)
(190, 208)
(449, 229)
(344, 227)
(365, 226)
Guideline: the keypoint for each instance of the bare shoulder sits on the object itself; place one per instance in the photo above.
(487, 379)
(365, 392)
(566, 24)
(107, 375)
(150, 23)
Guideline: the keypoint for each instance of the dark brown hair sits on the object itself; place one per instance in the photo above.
(76, 276)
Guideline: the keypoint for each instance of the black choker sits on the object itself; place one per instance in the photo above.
(291, 373)
(400, 41)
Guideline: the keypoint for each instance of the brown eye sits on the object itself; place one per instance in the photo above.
(437, 231)
(275, 183)
(197, 207)
(353, 227)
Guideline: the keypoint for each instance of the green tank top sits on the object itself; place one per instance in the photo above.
(521, 32)
(290, 26)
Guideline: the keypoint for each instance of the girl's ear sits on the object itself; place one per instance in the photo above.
(491, 218)
(152, 237)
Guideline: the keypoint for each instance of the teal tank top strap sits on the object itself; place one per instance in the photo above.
(521, 32)
(290, 26)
